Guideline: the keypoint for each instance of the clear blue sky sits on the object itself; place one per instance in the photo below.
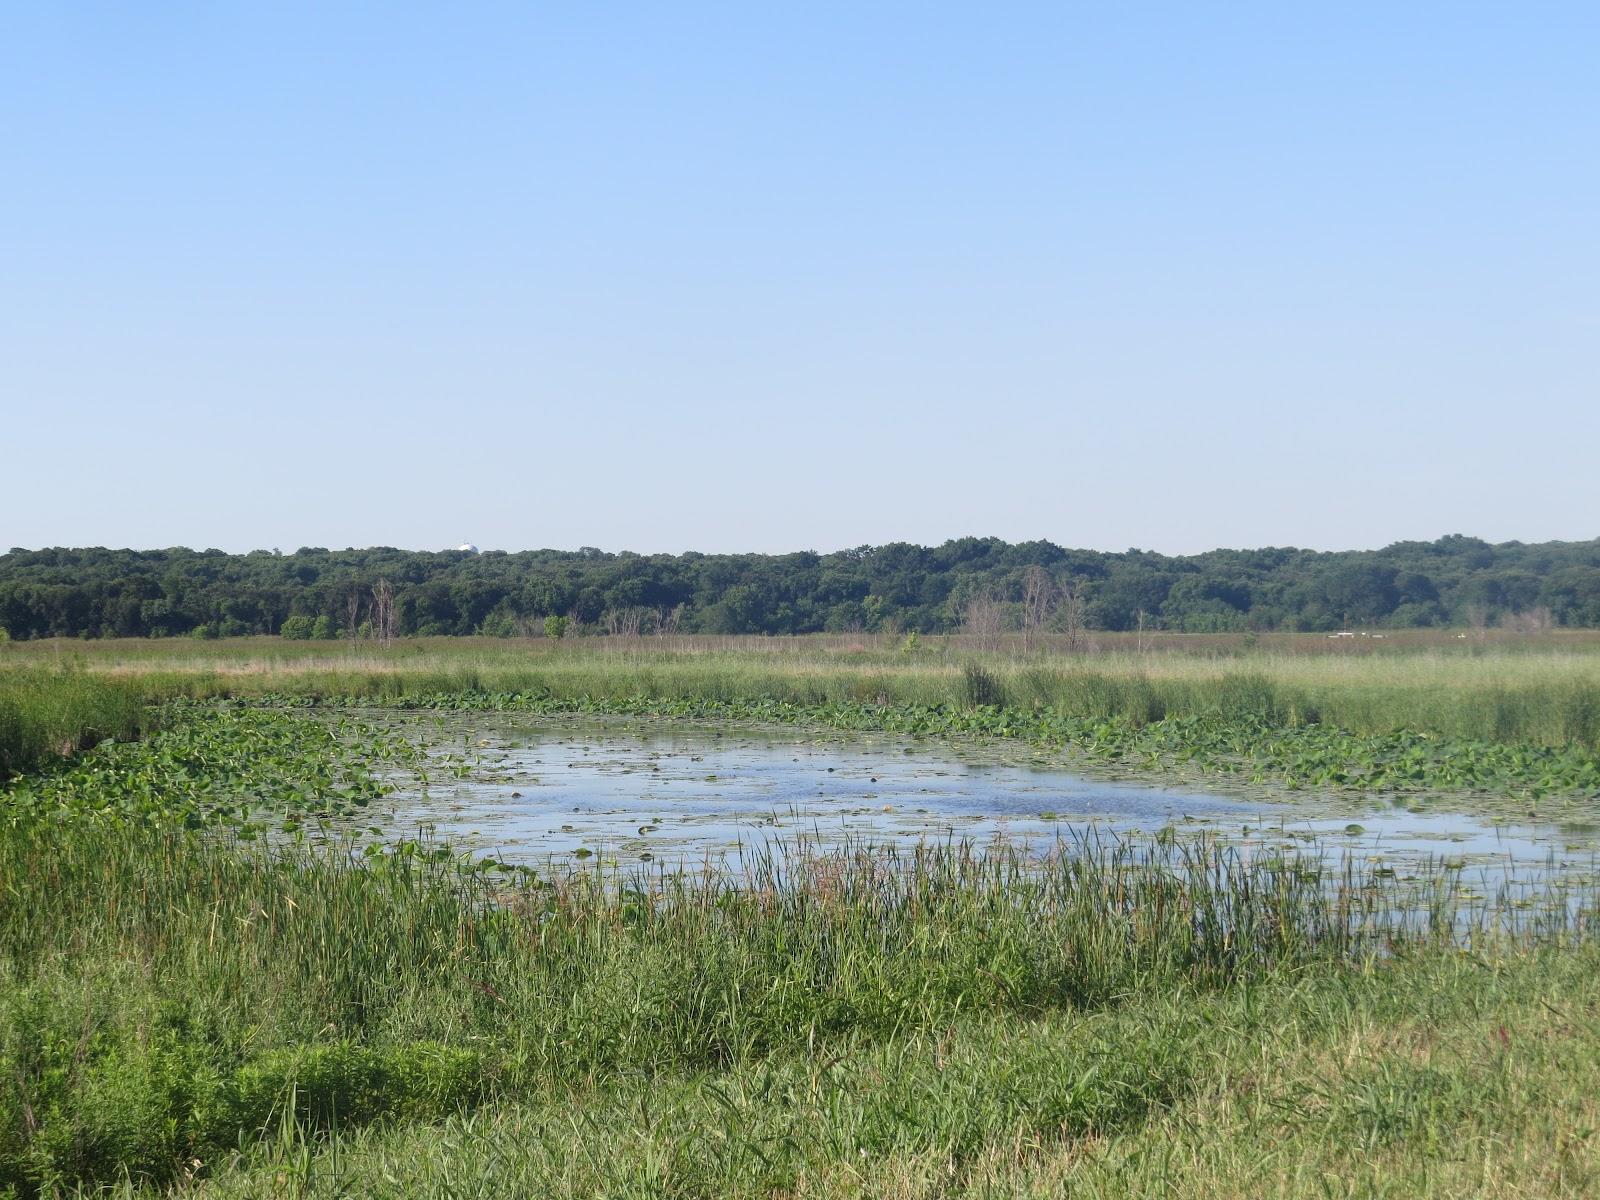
(770, 277)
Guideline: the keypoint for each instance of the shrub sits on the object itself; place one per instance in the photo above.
(981, 688)
(500, 624)
(297, 629)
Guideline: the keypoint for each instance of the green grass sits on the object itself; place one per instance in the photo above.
(1536, 691)
(1510, 726)
(815, 1025)
(184, 1012)
(47, 714)
(1391, 1083)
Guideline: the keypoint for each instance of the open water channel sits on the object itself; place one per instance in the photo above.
(546, 790)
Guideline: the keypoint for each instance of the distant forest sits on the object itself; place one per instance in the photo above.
(978, 584)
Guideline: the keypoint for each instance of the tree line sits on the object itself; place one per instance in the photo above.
(982, 585)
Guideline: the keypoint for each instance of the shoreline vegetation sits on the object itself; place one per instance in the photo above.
(220, 1020)
(1499, 718)
(188, 1009)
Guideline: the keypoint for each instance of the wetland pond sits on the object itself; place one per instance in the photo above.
(543, 790)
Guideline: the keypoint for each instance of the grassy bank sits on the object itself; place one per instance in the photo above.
(851, 1025)
(1378, 724)
(1533, 691)
(1430, 1078)
(185, 1013)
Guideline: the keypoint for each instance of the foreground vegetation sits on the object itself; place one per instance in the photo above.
(1130, 1019)
(189, 1008)
(1431, 1076)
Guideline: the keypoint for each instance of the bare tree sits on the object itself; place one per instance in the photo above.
(383, 619)
(1533, 620)
(352, 614)
(982, 616)
(1039, 599)
(623, 622)
(1071, 614)
(667, 620)
(1478, 620)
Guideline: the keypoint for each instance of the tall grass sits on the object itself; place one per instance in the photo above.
(48, 714)
(1535, 691)
(183, 1014)
(1432, 1077)
(163, 997)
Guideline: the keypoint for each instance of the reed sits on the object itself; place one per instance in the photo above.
(168, 997)
(1537, 691)
(186, 1012)
(183, 1011)
(49, 714)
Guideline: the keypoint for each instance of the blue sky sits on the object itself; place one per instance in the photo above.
(754, 277)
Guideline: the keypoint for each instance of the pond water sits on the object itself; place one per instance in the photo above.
(543, 790)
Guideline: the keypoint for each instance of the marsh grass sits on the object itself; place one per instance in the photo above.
(1539, 691)
(49, 713)
(184, 1014)
(167, 1000)
(1439, 1077)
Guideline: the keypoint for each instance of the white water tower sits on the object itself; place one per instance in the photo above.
(468, 548)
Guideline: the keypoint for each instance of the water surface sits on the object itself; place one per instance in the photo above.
(553, 789)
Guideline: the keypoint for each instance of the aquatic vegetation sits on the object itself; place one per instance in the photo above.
(219, 765)
(1537, 691)
(1511, 730)
(1296, 756)
(185, 1004)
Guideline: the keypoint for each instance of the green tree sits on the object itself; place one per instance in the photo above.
(297, 628)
